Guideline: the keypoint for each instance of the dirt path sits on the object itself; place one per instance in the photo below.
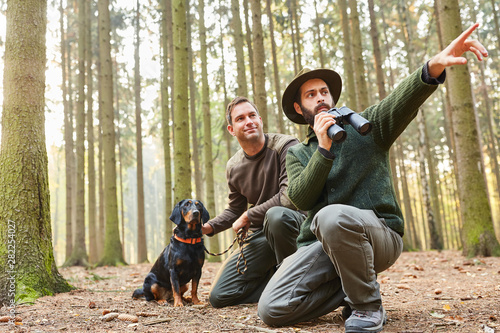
(422, 292)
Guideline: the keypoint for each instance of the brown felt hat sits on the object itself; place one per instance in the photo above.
(331, 78)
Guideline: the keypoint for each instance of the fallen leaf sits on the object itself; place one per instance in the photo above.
(437, 315)
(446, 307)
(403, 286)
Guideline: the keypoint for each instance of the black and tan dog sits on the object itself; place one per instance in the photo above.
(181, 261)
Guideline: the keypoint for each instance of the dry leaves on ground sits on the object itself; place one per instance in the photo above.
(422, 292)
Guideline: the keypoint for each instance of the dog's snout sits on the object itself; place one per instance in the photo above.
(196, 213)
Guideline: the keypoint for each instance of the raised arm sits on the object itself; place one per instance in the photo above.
(452, 54)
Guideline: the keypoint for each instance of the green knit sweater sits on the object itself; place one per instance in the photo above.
(360, 174)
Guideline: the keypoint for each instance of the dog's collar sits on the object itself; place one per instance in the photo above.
(188, 240)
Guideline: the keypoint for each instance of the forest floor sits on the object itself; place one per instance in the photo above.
(422, 292)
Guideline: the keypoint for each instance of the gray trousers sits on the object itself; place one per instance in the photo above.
(263, 251)
(353, 245)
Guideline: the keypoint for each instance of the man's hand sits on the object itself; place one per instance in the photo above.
(452, 54)
(207, 229)
(242, 223)
(322, 122)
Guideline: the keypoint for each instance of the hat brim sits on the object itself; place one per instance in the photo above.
(331, 78)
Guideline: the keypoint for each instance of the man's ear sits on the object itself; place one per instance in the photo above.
(230, 129)
(297, 108)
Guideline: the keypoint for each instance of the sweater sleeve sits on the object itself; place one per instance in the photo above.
(257, 213)
(392, 115)
(236, 206)
(306, 182)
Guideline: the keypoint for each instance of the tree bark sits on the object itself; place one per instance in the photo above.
(79, 254)
(68, 139)
(166, 28)
(277, 89)
(112, 246)
(236, 26)
(142, 249)
(93, 254)
(207, 124)
(478, 234)
(259, 61)
(182, 168)
(28, 266)
(350, 86)
(357, 56)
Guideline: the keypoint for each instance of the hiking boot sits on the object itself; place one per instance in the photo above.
(366, 321)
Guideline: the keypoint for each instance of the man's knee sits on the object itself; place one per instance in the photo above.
(333, 221)
(266, 313)
(216, 301)
(279, 220)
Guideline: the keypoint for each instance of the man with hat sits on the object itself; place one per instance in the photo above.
(354, 226)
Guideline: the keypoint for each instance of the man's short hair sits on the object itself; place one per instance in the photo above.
(233, 103)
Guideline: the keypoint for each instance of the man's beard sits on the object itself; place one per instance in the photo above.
(309, 114)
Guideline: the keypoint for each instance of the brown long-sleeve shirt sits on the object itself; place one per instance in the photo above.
(255, 183)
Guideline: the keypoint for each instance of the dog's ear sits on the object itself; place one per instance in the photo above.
(205, 216)
(176, 216)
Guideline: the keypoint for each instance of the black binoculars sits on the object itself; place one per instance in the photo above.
(345, 116)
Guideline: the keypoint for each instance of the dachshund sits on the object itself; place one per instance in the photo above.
(182, 260)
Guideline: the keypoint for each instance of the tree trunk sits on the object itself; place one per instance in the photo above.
(357, 56)
(25, 231)
(377, 55)
(182, 167)
(242, 89)
(318, 35)
(248, 37)
(296, 23)
(166, 28)
(68, 140)
(198, 173)
(430, 217)
(277, 89)
(93, 255)
(259, 61)
(142, 249)
(478, 234)
(112, 246)
(207, 125)
(350, 88)
(79, 254)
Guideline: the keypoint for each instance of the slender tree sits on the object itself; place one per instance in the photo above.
(207, 124)
(112, 246)
(242, 89)
(68, 137)
(142, 250)
(277, 89)
(259, 61)
(182, 170)
(350, 89)
(26, 254)
(79, 253)
(93, 254)
(357, 56)
(432, 219)
(249, 39)
(197, 171)
(166, 28)
(478, 234)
